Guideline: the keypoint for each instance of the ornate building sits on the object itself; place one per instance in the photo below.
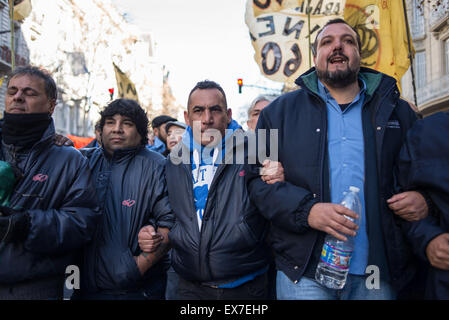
(20, 47)
(429, 28)
(78, 41)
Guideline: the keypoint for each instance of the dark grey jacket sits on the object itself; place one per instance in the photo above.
(301, 119)
(424, 165)
(132, 193)
(231, 243)
(57, 191)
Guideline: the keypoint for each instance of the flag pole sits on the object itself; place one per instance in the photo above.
(410, 52)
(310, 43)
(11, 19)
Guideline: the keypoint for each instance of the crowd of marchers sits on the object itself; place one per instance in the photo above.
(140, 225)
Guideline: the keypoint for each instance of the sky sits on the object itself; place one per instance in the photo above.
(198, 40)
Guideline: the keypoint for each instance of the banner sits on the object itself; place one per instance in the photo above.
(382, 29)
(126, 89)
(271, 6)
(281, 38)
(279, 31)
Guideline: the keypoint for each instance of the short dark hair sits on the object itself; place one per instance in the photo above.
(334, 21)
(131, 109)
(208, 84)
(51, 89)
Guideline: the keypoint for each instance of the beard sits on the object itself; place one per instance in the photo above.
(338, 78)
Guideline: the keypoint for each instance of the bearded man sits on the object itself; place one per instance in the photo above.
(344, 127)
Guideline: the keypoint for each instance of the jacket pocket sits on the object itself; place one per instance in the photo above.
(26, 200)
(125, 272)
(247, 234)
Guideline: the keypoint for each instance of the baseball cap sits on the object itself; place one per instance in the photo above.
(160, 120)
(175, 123)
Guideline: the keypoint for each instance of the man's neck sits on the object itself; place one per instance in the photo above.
(344, 95)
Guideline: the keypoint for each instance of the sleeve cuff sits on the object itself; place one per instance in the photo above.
(303, 211)
(429, 202)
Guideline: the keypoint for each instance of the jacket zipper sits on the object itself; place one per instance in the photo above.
(220, 169)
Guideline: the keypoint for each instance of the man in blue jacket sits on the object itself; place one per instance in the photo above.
(344, 127)
(160, 134)
(132, 193)
(424, 166)
(53, 210)
(218, 239)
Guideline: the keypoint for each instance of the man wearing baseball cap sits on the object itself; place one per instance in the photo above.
(175, 130)
(160, 133)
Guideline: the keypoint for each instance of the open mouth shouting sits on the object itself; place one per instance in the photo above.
(338, 59)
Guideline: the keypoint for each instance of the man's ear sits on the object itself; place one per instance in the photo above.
(229, 112)
(186, 118)
(52, 106)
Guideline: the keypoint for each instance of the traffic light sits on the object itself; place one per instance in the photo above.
(240, 83)
(111, 93)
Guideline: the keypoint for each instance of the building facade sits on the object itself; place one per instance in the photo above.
(78, 41)
(20, 47)
(429, 29)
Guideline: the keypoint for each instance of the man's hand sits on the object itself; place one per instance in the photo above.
(330, 218)
(272, 172)
(149, 239)
(410, 205)
(148, 259)
(61, 140)
(437, 251)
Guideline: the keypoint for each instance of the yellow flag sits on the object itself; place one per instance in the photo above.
(1, 81)
(126, 89)
(281, 35)
(382, 29)
(270, 6)
(22, 10)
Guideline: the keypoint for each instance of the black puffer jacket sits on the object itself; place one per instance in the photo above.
(301, 119)
(424, 165)
(231, 243)
(58, 193)
(132, 193)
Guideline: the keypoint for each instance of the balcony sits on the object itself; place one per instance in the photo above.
(433, 92)
(440, 17)
(5, 59)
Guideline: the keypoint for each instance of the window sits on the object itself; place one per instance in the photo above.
(420, 66)
(446, 55)
(418, 21)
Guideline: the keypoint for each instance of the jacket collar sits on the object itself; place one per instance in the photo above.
(122, 155)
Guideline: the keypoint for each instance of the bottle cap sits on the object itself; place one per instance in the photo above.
(354, 189)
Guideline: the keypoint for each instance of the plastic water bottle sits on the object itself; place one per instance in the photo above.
(336, 254)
